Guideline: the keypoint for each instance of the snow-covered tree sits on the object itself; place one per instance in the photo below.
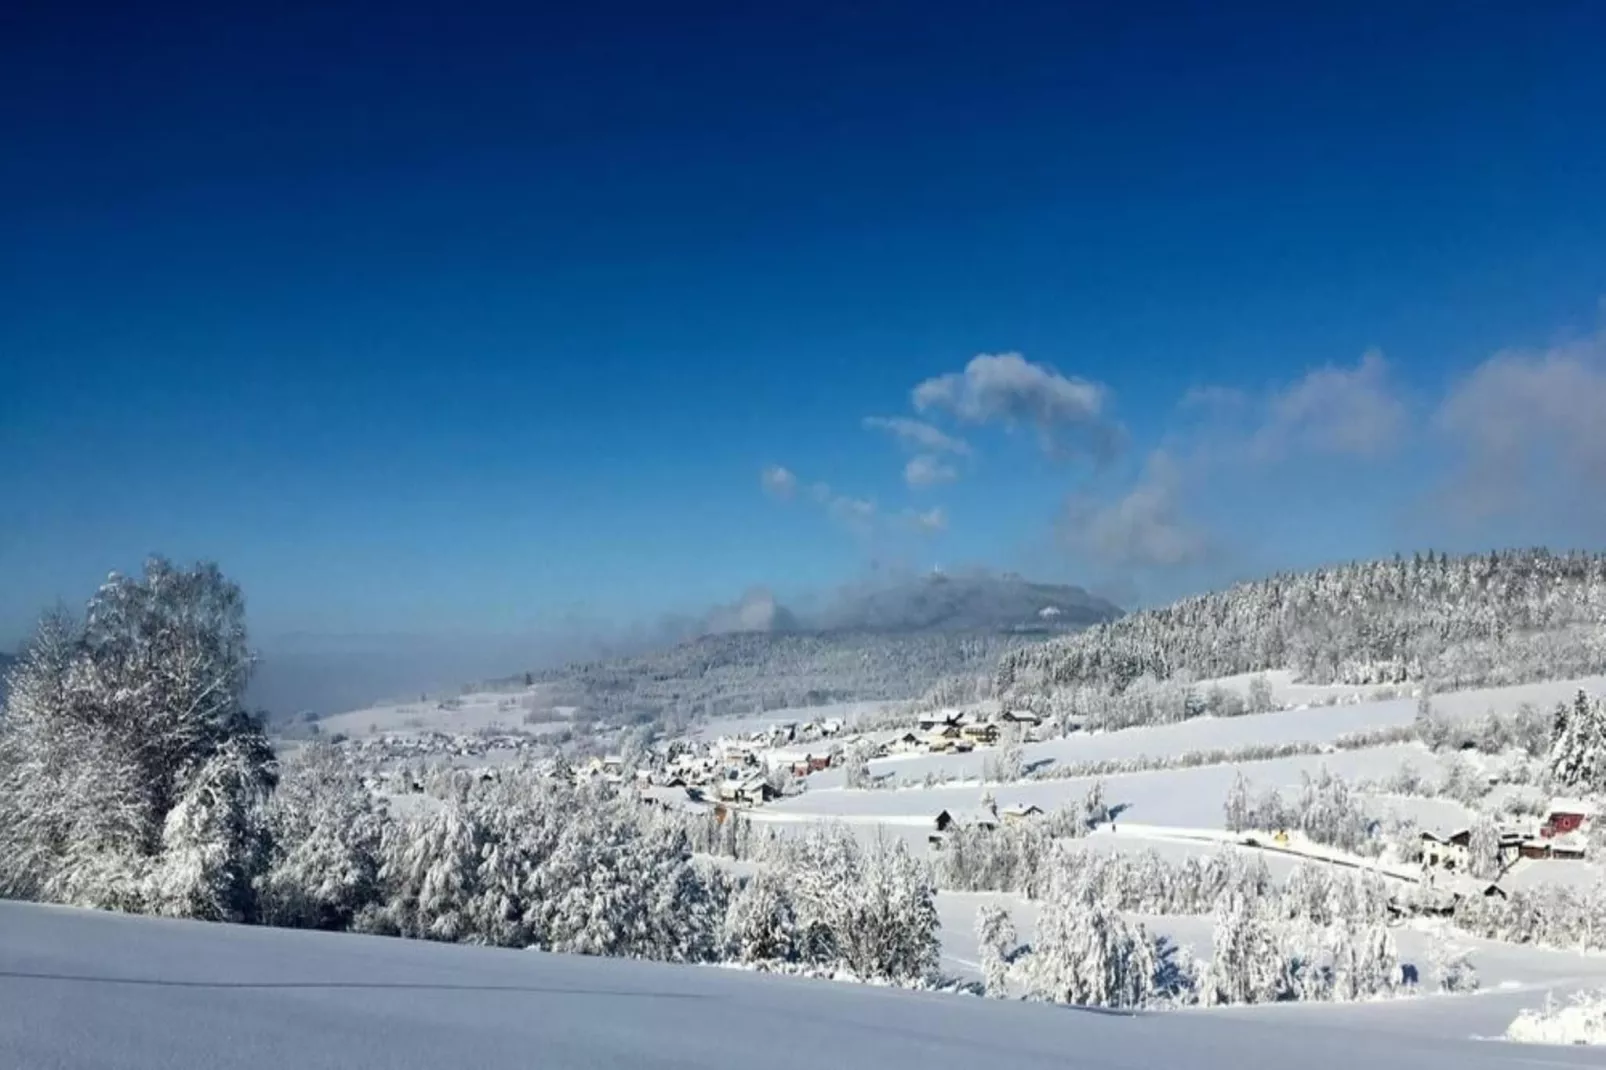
(1247, 963)
(1087, 954)
(326, 831)
(116, 721)
(1484, 849)
(1094, 808)
(1260, 695)
(856, 767)
(1009, 763)
(762, 924)
(1578, 747)
(1452, 967)
(1581, 1020)
(213, 842)
(1366, 963)
(868, 910)
(1237, 804)
(995, 935)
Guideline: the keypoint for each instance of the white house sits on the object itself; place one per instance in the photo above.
(1452, 852)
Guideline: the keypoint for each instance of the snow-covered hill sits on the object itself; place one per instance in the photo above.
(83, 990)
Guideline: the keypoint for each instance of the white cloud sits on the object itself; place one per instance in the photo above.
(927, 471)
(1526, 425)
(1143, 529)
(778, 482)
(858, 515)
(918, 435)
(1351, 412)
(1067, 413)
(929, 521)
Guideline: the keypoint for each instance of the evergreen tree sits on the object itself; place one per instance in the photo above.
(995, 934)
(1484, 849)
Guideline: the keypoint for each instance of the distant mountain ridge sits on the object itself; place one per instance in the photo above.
(967, 603)
(890, 641)
(975, 603)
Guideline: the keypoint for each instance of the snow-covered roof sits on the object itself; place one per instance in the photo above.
(1566, 805)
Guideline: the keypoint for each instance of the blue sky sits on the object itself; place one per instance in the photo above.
(469, 322)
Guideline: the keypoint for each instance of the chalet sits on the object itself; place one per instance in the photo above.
(1020, 812)
(1441, 892)
(1561, 848)
(980, 733)
(673, 800)
(750, 791)
(1025, 718)
(831, 726)
(947, 821)
(906, 742)
(1452, 852)
(1566, 816)
(930, 722)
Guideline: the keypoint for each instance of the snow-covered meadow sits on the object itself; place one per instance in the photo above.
(84, 989)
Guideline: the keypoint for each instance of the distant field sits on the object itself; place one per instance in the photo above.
(474, 713)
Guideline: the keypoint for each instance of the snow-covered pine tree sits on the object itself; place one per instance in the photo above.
(1578, 750)
(762, 923)
(1094, 808)
(1247, 963)
(326, 831)
(995, 935)
(1237, 803)
(1087, 954)
(1484, 849)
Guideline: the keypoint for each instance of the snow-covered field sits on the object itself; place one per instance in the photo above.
(89, 990)
(1186, 797)
(468, 715)
(1316, 725)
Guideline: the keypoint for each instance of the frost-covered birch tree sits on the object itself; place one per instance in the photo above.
(130, 770)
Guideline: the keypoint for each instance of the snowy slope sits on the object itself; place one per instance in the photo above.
(86, 990)
(1183, 797)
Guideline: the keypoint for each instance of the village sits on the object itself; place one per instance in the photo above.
(751, 769)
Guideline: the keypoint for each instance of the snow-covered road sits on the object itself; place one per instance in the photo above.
(82, 990)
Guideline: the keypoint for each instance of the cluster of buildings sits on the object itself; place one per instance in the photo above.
(403, 746)
(1560, 835)
(957, 731)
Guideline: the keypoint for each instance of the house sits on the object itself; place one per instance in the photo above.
(947, 821)
(1452, 852)
(673, 800)
(1440, 893)
(928, 722)
(831, 726)
(980, 733)
(749, 791)
(1020, 812)
(1025, 718)
(1565, 816)
(906, 742)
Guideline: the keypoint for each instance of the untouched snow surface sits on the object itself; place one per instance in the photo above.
(1179, 797)
(87, 990)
